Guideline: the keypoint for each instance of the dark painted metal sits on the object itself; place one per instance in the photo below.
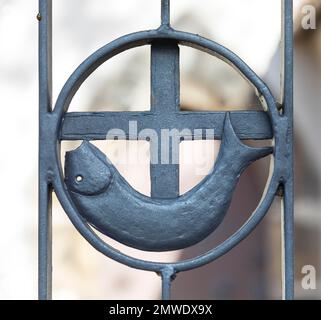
(165, 97)
(146, 37)
(287, 110)
(44, 185)
(248, 125)
(59, 124)
(165, 13)
(108, 202)
(168, 274)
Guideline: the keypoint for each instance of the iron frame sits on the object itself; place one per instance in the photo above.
(56, 124)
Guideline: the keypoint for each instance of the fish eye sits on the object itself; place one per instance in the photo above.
(79, 178)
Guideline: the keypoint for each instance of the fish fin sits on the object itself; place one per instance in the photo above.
(98, 153)
(234, 147)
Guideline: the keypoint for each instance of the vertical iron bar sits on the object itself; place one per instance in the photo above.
(288, 199)
(165, 10)
(165, 102)
(45, 190)
(167, 275)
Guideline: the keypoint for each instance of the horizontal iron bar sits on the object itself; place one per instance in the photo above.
(249, 125)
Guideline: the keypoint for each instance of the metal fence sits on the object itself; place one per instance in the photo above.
(166, 221)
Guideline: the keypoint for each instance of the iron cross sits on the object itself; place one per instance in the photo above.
(164, 114)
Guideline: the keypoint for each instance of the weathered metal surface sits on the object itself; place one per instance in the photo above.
(165, 95)
(287, 181)
(101, 189)
(183, 38)
(109, 203)
(248, 125)
(45, 188)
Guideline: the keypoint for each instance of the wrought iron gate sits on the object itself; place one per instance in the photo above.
(56, 124)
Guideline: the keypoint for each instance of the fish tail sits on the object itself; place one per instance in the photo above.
(237, 151)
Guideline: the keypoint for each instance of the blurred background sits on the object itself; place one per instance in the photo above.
(250, 28)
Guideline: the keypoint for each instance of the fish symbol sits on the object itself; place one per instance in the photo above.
(108, 203)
